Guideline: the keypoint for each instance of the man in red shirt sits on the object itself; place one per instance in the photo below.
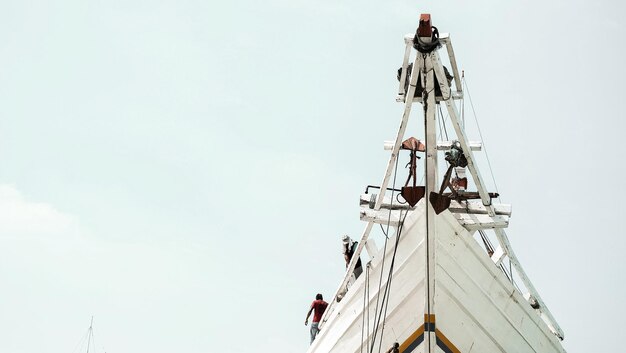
(319, 306)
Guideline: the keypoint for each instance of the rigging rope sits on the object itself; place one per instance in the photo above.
(368, 309)
(508, 273)
(464, 82)
(486, 242)
(390, 276)
(385, 300)
(444, 122)
(380, 280)
(365, 300)
(382, 229)
(440, 127)
(490, 251)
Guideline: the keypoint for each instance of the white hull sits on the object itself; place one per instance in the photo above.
(476, 307)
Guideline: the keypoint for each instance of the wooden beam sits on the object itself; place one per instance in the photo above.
(470, 221)
(455, 95)
(474, 221)
(431, 180)
(445, 38)
(440, 75)
(476, 207)
(446, 145)
(381, 216)
(469, 206)
(441, 145)
(498, 255)
(405, 64)
(366, 200)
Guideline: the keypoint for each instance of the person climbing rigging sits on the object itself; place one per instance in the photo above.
(349, 247)
(319, 306)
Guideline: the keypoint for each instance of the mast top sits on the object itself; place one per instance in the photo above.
(425, 28)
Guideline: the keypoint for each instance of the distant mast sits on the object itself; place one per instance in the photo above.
(90, 334)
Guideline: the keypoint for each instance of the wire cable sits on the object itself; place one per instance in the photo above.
(390, 277)
(481, 137)
(444, 122)
(363, 312)
(378, 301)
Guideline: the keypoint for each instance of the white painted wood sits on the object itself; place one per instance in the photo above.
(481, 221)
(478, 309)
(441, 145)
(486, 200)
(471, 221)
(446, 145)
(476, 206)
(469, 206)
(372, 249)
(455, 70)
(441, 76)
(405, 64)
(365, 201)
(498, 255)
(388, 145)
(455, 95)
(531, 300)
(432, 183)
(381, 216)
(443, 37)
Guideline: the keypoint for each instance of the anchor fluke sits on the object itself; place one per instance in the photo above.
(412, 194)
(440, 203)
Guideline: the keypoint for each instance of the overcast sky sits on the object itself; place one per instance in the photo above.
(183, 170)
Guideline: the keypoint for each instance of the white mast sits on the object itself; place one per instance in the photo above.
(430, 127)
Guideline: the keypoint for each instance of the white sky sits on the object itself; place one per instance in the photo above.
(183, 170)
